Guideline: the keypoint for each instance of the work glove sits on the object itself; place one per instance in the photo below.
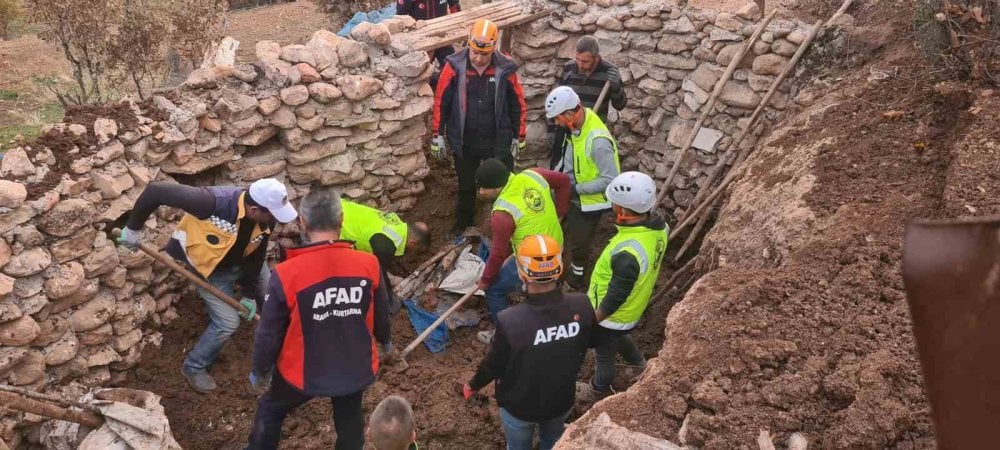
(129, 238)
(467, 392)
(437, 147)
(251, 307)
(615, 78)
(516, 146)
(384, 351)
(454, 9)
(260, 383)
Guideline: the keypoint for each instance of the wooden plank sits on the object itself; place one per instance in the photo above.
(461, 19)
(457, 35)
(464, 28)
(467, 15)
(463, 23)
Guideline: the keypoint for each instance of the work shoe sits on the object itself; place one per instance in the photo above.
(486, 337)
(585, 393)
(199, 381)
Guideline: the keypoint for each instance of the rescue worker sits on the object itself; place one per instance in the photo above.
(624, 276)
(391, 426)
(427, 10)
(325, 311)
(586, 75)
(479, 113)
(539, 349)
(223, 237)
(523, 205)
(591, 162)
(384, 235)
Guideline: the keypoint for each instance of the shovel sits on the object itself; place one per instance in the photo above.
(152, 251)
(951, 271)
(399, 360)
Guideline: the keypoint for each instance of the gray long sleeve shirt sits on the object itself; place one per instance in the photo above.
(603, 153)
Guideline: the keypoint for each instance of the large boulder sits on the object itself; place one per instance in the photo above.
(294, 95)
(359, 87)
(19, 332)
(74, 247)
(94, 313)
(64, 280)
(234, 106)
(28, 262)
(66, 217)
(12, 194)
(352, 53)
(15, 164)
(61, 351)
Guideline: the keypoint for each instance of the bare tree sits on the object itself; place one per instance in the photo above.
(10, 10)
(114, 43)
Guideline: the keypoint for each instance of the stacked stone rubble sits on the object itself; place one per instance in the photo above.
(73, 306)
(670, 58)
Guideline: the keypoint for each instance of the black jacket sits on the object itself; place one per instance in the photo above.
(589, 89)
(450, 102)
(425, 9)
(537, 353)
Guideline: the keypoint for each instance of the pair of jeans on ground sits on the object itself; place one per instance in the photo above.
(223, 320)
(519, 432)
(281, 399)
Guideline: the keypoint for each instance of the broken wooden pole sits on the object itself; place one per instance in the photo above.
(21, 403)
(813, 32)
(710, 105)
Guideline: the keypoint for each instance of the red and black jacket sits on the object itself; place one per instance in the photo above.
(426, 9)
(325, 308)
(451, 101)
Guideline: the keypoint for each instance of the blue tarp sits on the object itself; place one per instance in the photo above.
(373, 17)
(421, 319)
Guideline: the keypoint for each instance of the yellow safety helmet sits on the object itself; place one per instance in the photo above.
(539, 259)
(484, 36)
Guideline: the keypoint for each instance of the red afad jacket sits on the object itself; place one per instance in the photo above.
(325, 308)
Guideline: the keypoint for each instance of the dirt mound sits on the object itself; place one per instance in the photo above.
(802, 326)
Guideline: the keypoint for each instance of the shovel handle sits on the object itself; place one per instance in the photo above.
(430, 329)
(169, 262)
(604, 93)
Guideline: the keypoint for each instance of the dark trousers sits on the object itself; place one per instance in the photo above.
(610, 344)
(580, 230)
(281, 399)
(465, 169)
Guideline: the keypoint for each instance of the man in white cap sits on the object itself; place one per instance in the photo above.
(223, 237)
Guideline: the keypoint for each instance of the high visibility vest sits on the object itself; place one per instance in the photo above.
(527, 198)
(648, 246)
(362, 222)
(584, 168)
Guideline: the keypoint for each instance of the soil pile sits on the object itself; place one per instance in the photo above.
(802, 326)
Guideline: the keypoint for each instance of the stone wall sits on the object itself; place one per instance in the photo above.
(73, 306)
(670, 58)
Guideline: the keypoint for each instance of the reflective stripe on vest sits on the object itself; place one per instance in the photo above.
(584, 167)
(648, 247)
(362, 222)
(526, 197)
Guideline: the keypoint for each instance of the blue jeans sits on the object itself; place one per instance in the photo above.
(223, 320)
(281, 399)
(506, 282)
(519, 432)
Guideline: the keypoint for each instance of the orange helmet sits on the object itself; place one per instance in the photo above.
(483, 36)
(539, 259)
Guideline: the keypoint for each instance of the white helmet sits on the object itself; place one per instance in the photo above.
(560, 100)
(632, 190)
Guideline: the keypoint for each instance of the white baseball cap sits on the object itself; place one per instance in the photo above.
(273, 195)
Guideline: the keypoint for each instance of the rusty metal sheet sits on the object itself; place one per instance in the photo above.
(951, 271)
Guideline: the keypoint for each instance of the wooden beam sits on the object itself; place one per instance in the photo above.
(457, 35)
(463, 16)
